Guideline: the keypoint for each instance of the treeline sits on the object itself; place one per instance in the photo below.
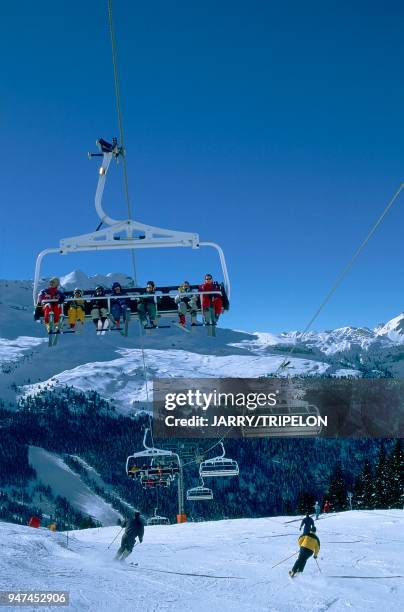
(380, 484)
(277, 475)
(64, 515)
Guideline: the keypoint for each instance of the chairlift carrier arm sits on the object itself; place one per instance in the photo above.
(125, 234)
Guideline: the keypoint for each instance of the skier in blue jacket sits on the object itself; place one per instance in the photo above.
(120, 305)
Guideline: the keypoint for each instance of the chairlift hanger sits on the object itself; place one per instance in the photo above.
(124, 234)
(157, 520)
(219, 466)
(148, 455)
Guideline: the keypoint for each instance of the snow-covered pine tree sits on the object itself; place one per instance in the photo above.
(364, 488)
(337, 491)
(395, 477)
(381, 480)
(305, 502)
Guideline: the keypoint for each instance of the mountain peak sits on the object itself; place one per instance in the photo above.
(393, 329)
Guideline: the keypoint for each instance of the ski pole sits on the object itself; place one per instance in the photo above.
(115, 537)
(295, 553)
(319, 569)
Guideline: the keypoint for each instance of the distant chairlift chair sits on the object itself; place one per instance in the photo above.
(219, 466)
(157, 520)
(200, 493)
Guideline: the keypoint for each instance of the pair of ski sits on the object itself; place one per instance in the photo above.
(187, 329)
(104, 326)
(55, 329)
(150, 326)
(211, 327)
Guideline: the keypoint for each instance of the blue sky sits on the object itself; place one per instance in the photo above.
(274, 131)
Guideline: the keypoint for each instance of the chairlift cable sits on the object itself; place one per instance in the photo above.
(345, 271)
(120, 124)
(126, 182)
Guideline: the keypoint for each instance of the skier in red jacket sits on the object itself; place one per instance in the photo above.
(327, 507)
(212, 303)
(46, 299)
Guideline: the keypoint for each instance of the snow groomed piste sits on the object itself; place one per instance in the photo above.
(218, 566)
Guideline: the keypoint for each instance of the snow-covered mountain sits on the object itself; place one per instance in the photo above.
(113, 366)
(218, 566)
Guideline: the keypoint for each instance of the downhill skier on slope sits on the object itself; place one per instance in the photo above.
(309, 545)
(134, 528)
(307, 523)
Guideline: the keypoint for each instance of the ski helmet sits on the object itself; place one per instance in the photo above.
(116, 285)
(150, 284)
(79, 291)
(137, 513)
(99, 289)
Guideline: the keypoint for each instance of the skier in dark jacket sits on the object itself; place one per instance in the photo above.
(99, 311)
(147, 305)
(307, 523)
(120, 305)
(309, 545)
(134, 528)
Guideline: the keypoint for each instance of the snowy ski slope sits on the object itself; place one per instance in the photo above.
(222, 566)
(53, 471)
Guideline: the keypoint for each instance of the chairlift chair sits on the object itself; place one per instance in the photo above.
(142, 464)
(157, 520)
(200, 493)
(123, 234)
(219, 466)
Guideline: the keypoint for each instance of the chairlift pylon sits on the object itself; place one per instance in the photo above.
(123, 234)
(219, 466)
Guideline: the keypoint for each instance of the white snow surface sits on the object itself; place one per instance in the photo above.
(79, 279)
(394, 329)
(13, 350)
(359, 566)
(122, 379)
(52, 470)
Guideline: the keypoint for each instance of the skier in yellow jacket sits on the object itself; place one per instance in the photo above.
(76, 311)
(309, 545)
